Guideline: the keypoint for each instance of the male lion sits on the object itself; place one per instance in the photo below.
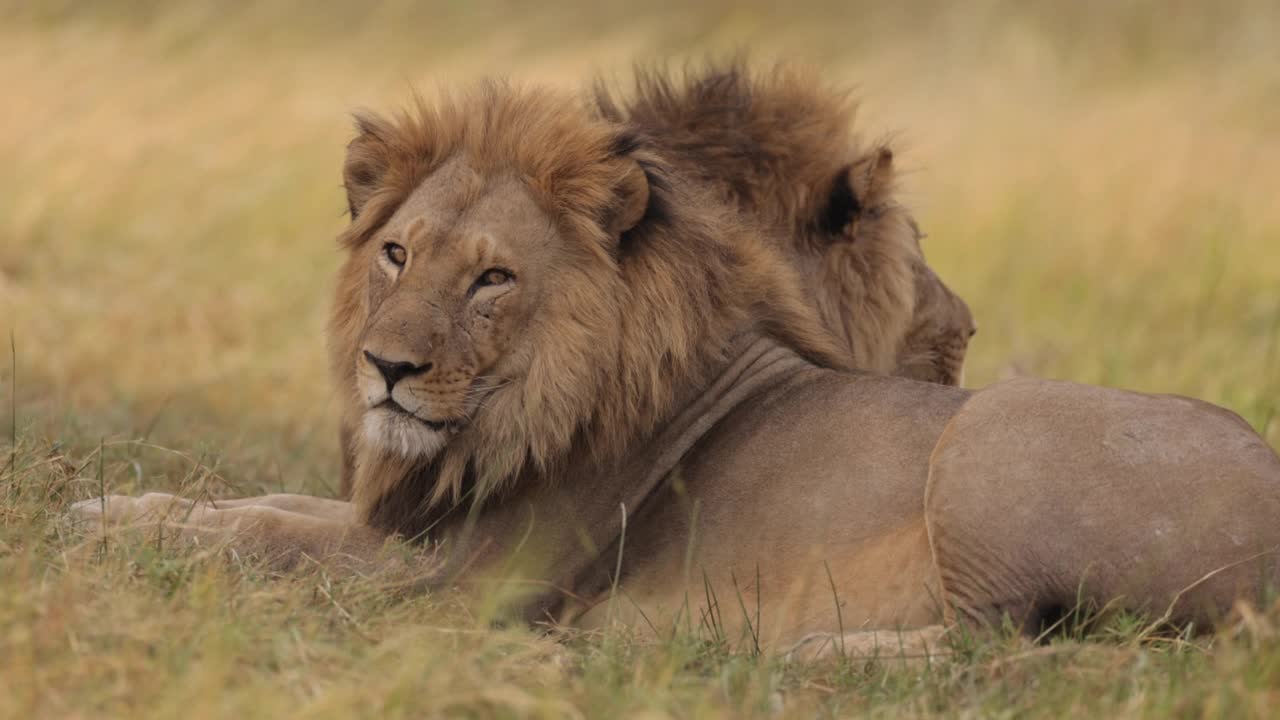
(565, 359)
(778, 145)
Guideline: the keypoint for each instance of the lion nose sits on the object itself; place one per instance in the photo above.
(393, 372)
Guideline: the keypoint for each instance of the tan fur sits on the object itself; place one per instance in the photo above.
(658, 422)
(780, 145)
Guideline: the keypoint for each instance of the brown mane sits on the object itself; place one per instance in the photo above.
(780, 145)
(643, 326)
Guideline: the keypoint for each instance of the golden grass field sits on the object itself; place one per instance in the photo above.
(1101, 181)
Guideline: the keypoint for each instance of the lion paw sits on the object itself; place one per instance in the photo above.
(118, 510)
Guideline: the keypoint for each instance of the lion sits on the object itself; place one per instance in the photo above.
(779, 145)
(579, 380)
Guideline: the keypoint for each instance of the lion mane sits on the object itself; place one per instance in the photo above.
(780, 145)
(644, 325)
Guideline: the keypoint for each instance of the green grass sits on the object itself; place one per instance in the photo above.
(1098, 180)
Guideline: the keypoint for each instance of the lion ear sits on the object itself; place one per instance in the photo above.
(631, 201)
(366, 162)
(858, 188)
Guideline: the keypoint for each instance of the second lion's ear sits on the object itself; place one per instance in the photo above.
(631, 201)
(366, 163)
(857, 189)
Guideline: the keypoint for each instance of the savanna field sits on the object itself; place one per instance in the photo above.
(1101, 182)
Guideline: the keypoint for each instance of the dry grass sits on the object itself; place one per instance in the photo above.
(1099, 180)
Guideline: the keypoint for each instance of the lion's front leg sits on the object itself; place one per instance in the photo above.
(326, 508)
(280, 529)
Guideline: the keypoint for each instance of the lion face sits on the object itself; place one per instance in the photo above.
(477, 321)
(455, 279)
(919, 328)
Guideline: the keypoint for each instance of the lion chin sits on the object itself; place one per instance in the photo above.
(397, 432)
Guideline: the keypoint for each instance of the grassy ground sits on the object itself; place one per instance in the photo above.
(1099, 181)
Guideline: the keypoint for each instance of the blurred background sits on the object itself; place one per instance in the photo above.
(1100, 180)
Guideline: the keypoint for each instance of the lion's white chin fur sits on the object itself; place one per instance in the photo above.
(397, 433)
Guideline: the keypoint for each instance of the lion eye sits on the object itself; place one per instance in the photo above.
(493, 276)
(396, 254)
